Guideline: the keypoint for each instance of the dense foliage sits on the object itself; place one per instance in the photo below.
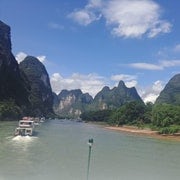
(9, 111)
(163, 117)
(100, 115)
(166, 117)
(130, 113)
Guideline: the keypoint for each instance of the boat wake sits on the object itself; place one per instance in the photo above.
(22, 143)
(23, 138)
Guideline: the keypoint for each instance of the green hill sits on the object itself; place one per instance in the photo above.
(171, 93)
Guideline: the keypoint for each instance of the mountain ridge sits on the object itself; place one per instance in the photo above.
(74, 102)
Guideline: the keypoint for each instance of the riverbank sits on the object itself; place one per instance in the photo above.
(143, 132)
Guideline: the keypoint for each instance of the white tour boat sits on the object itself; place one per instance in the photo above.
(25, 128)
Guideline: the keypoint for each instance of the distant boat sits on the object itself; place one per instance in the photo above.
(25, 128)
(42, 119)
(36, 121)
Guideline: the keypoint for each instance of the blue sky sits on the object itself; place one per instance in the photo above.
(89, 44)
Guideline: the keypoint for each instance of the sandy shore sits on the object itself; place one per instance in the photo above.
(133, 130)
(143, 132)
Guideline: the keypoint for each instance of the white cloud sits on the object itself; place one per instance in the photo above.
(83, 17)
(132, 83)
(129, 80)
(91, 83)
(123, 77)
(160, 66)
(158, 86)
(41, 58)
(88, 14)
(150, 94)
(53, 25)
(127, 18)
(171, 63)
(150, 98)
(177, 48)
(159, 27)
(168, 52)
(20, 56)
(94, 4)
(146, 66)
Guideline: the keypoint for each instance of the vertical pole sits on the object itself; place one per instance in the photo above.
(90, 143)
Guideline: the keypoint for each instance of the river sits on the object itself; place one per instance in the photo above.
(59, 151)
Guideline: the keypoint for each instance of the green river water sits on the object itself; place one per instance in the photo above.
(59, 151)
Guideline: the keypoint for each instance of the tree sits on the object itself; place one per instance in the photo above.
(9, 111)
(164, 115)
(101, 115)
(130, 113)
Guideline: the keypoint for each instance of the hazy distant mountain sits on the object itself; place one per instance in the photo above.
(41, 97)
(171, 93)
(73, 103)
(113, 98)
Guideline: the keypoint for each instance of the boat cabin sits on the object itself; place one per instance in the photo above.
(26, 124)
(23, 131)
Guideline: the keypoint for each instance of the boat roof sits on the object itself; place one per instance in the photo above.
(24, 128)
(26, 120)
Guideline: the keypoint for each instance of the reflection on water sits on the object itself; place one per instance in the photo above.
(60, 152)
(22, 143)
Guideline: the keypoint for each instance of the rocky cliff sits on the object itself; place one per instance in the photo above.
(40, 97)
(72, 103)
(12, 83)
(171, 93)
(113, 98)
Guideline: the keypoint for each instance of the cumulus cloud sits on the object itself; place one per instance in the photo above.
(88, 14)
(90, 83)
(83, 17)
(150, 94)
(93, 83)
(127, 18)
(160, 66)
(41, 58)
(94, 4)
(135, 18)
(20, 56)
